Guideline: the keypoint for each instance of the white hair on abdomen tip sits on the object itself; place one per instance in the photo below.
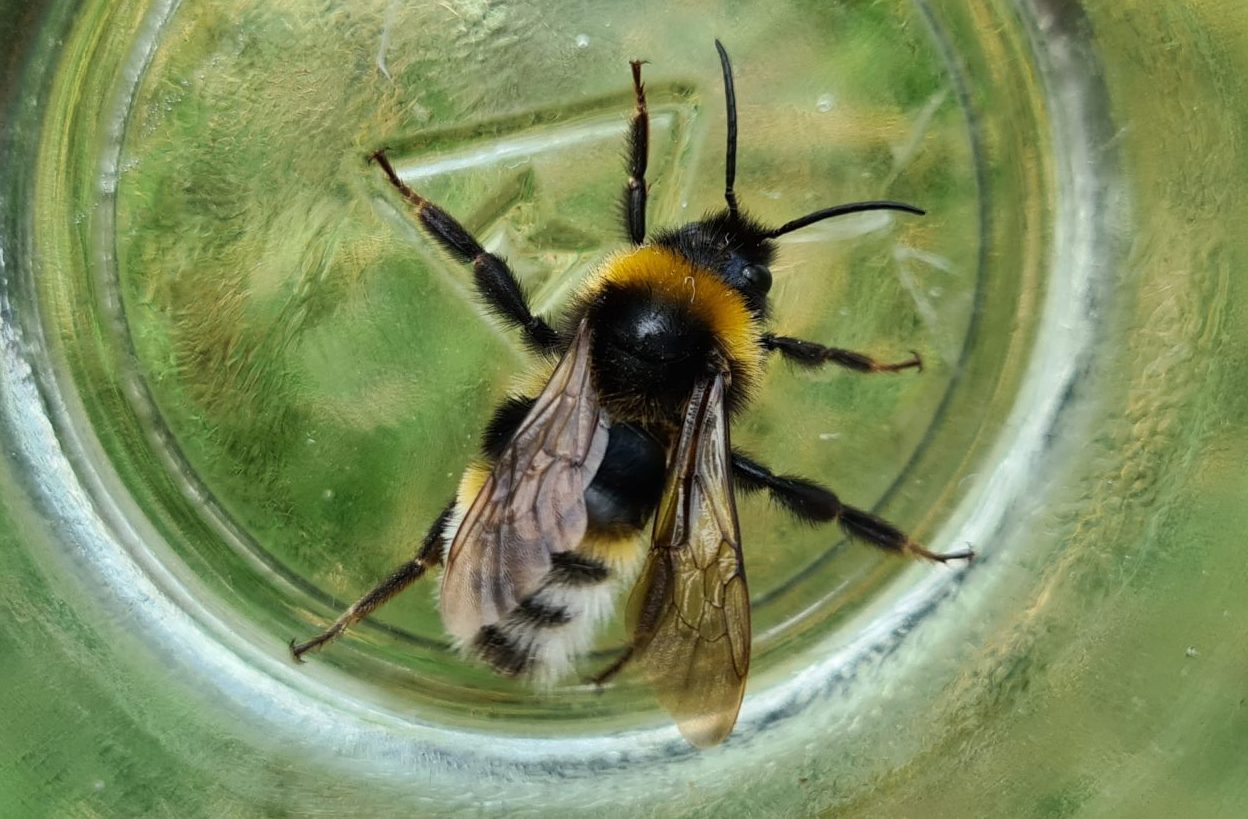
(542, 637)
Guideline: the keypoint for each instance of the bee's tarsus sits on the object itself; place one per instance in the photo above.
(430, 555)
(636, 189)
(495, 281)
(939, 557)
(603, 677)
(914, 362)
(811, 354)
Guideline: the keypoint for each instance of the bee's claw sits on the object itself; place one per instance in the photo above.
(296, 651)
(914, 362)
(965, 554)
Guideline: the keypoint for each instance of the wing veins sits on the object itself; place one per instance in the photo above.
(690, 611)
(533, 502)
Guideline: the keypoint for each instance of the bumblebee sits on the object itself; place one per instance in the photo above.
(658, 351)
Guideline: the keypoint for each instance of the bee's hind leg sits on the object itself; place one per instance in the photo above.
(607, 674)
(813, 503)
(430, 555)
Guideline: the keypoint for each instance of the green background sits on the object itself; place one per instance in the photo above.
(239, 384)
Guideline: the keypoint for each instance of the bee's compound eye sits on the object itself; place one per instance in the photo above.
(757, 277)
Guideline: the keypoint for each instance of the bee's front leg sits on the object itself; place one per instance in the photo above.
(638, 154)
(813, 503)
(495, 281)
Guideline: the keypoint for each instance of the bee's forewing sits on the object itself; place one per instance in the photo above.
(532, 504)
(690, 611)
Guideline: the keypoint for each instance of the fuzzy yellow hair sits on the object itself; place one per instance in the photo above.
(671, 277)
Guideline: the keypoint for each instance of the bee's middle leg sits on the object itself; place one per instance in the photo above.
(813, 503)
(810, 354)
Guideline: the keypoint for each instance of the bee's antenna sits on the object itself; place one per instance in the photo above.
(841, 210)
(730, 96)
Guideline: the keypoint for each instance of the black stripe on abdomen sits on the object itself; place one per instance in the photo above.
(511, 646)
(571, 570)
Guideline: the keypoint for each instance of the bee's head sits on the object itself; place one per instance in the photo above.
(733, 244)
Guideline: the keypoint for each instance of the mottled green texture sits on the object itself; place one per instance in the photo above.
(266, 382)
(325, 371)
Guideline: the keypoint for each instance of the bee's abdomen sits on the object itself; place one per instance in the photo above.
(625, 489)
(627, 486)
(542, 636)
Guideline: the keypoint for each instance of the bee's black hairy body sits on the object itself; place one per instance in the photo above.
(647, 352)
(626, 487)
(690, 301)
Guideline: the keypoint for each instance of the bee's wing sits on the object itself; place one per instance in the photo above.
(532, 504)
(690, 611)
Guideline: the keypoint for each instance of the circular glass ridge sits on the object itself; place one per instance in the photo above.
(797, 702)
